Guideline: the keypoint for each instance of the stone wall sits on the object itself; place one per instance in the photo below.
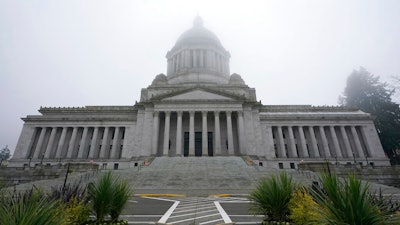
(16, 175)
(388, 175)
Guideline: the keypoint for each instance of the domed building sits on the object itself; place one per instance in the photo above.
(199, 109)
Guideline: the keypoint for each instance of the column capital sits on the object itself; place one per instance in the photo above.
(240, 113)
(228, 112)
(204, 113)
(156, 113)
(179, 113)
(167, 113)
(192, 113)
(216, 113)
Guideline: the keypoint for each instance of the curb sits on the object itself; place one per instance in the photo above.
(160, 195)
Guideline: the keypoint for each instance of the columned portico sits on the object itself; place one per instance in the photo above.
(205, 135)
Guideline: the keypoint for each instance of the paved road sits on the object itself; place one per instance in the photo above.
(189, 210)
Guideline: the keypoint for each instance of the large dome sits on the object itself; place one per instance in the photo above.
(198, 34)
(198, 57)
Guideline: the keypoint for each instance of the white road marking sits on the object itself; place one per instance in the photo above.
(195, 213)
(194, 209)
(162, 199)
(195, 218)
(212, 221)
(165, 217)
(223, 213)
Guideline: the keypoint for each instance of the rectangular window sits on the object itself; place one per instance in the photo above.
(280, 165)
(292, 166)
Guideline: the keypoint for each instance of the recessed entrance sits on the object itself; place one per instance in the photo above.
(210, 144)
(198, 144)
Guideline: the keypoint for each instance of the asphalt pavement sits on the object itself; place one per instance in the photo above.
(179, 210)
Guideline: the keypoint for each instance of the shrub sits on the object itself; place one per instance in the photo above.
(303, 209)
(350, 202)
(76, 212)
(108, 196)
(30, 208)
(271, 197)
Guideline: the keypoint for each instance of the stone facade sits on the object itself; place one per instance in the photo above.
(198, 109)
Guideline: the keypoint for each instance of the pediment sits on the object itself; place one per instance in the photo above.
(198, 95)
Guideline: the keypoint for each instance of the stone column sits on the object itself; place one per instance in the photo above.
(156, 124)
(281, 142)
(338, 153)
(217, 134)
(231, 149)
(82, 145)
(241, 133)
(191, 133)
(166, 133)
(71, 144)
(369, 147)
(61, 142)
(314, 142)
(179, 133)
(195, 59)
(93, 147)
(104, 143)
(201, 59)
(324, 142)
(115, 145)
(346, 142)
(303, 142)
(357, 142)
(204, 134)
(39, 145)
(292, 143)
(187, 58)
(49, 148)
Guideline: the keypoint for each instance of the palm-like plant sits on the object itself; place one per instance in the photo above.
(108, 196)
(121, 192)
(350, 202)
(271, 197)
(100, 194)
(30, 208)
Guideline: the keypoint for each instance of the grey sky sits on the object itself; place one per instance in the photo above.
(77, 53)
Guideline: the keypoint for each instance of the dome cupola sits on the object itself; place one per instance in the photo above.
(198, 56)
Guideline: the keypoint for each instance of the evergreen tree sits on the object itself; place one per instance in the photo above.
(366, 92)
(5, 153)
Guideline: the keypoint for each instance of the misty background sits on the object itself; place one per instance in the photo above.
(76, 53)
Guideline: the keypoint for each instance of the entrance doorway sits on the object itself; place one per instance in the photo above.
(210, 144)
(198, 144)
(186, 144)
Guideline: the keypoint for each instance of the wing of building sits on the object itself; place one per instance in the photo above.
(199, 109)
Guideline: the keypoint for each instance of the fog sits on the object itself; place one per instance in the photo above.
(77, 53)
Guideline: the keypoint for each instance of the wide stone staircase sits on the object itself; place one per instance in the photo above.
(200, 176)
(192, 176)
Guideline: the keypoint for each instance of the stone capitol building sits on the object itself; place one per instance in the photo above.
(198, 109)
